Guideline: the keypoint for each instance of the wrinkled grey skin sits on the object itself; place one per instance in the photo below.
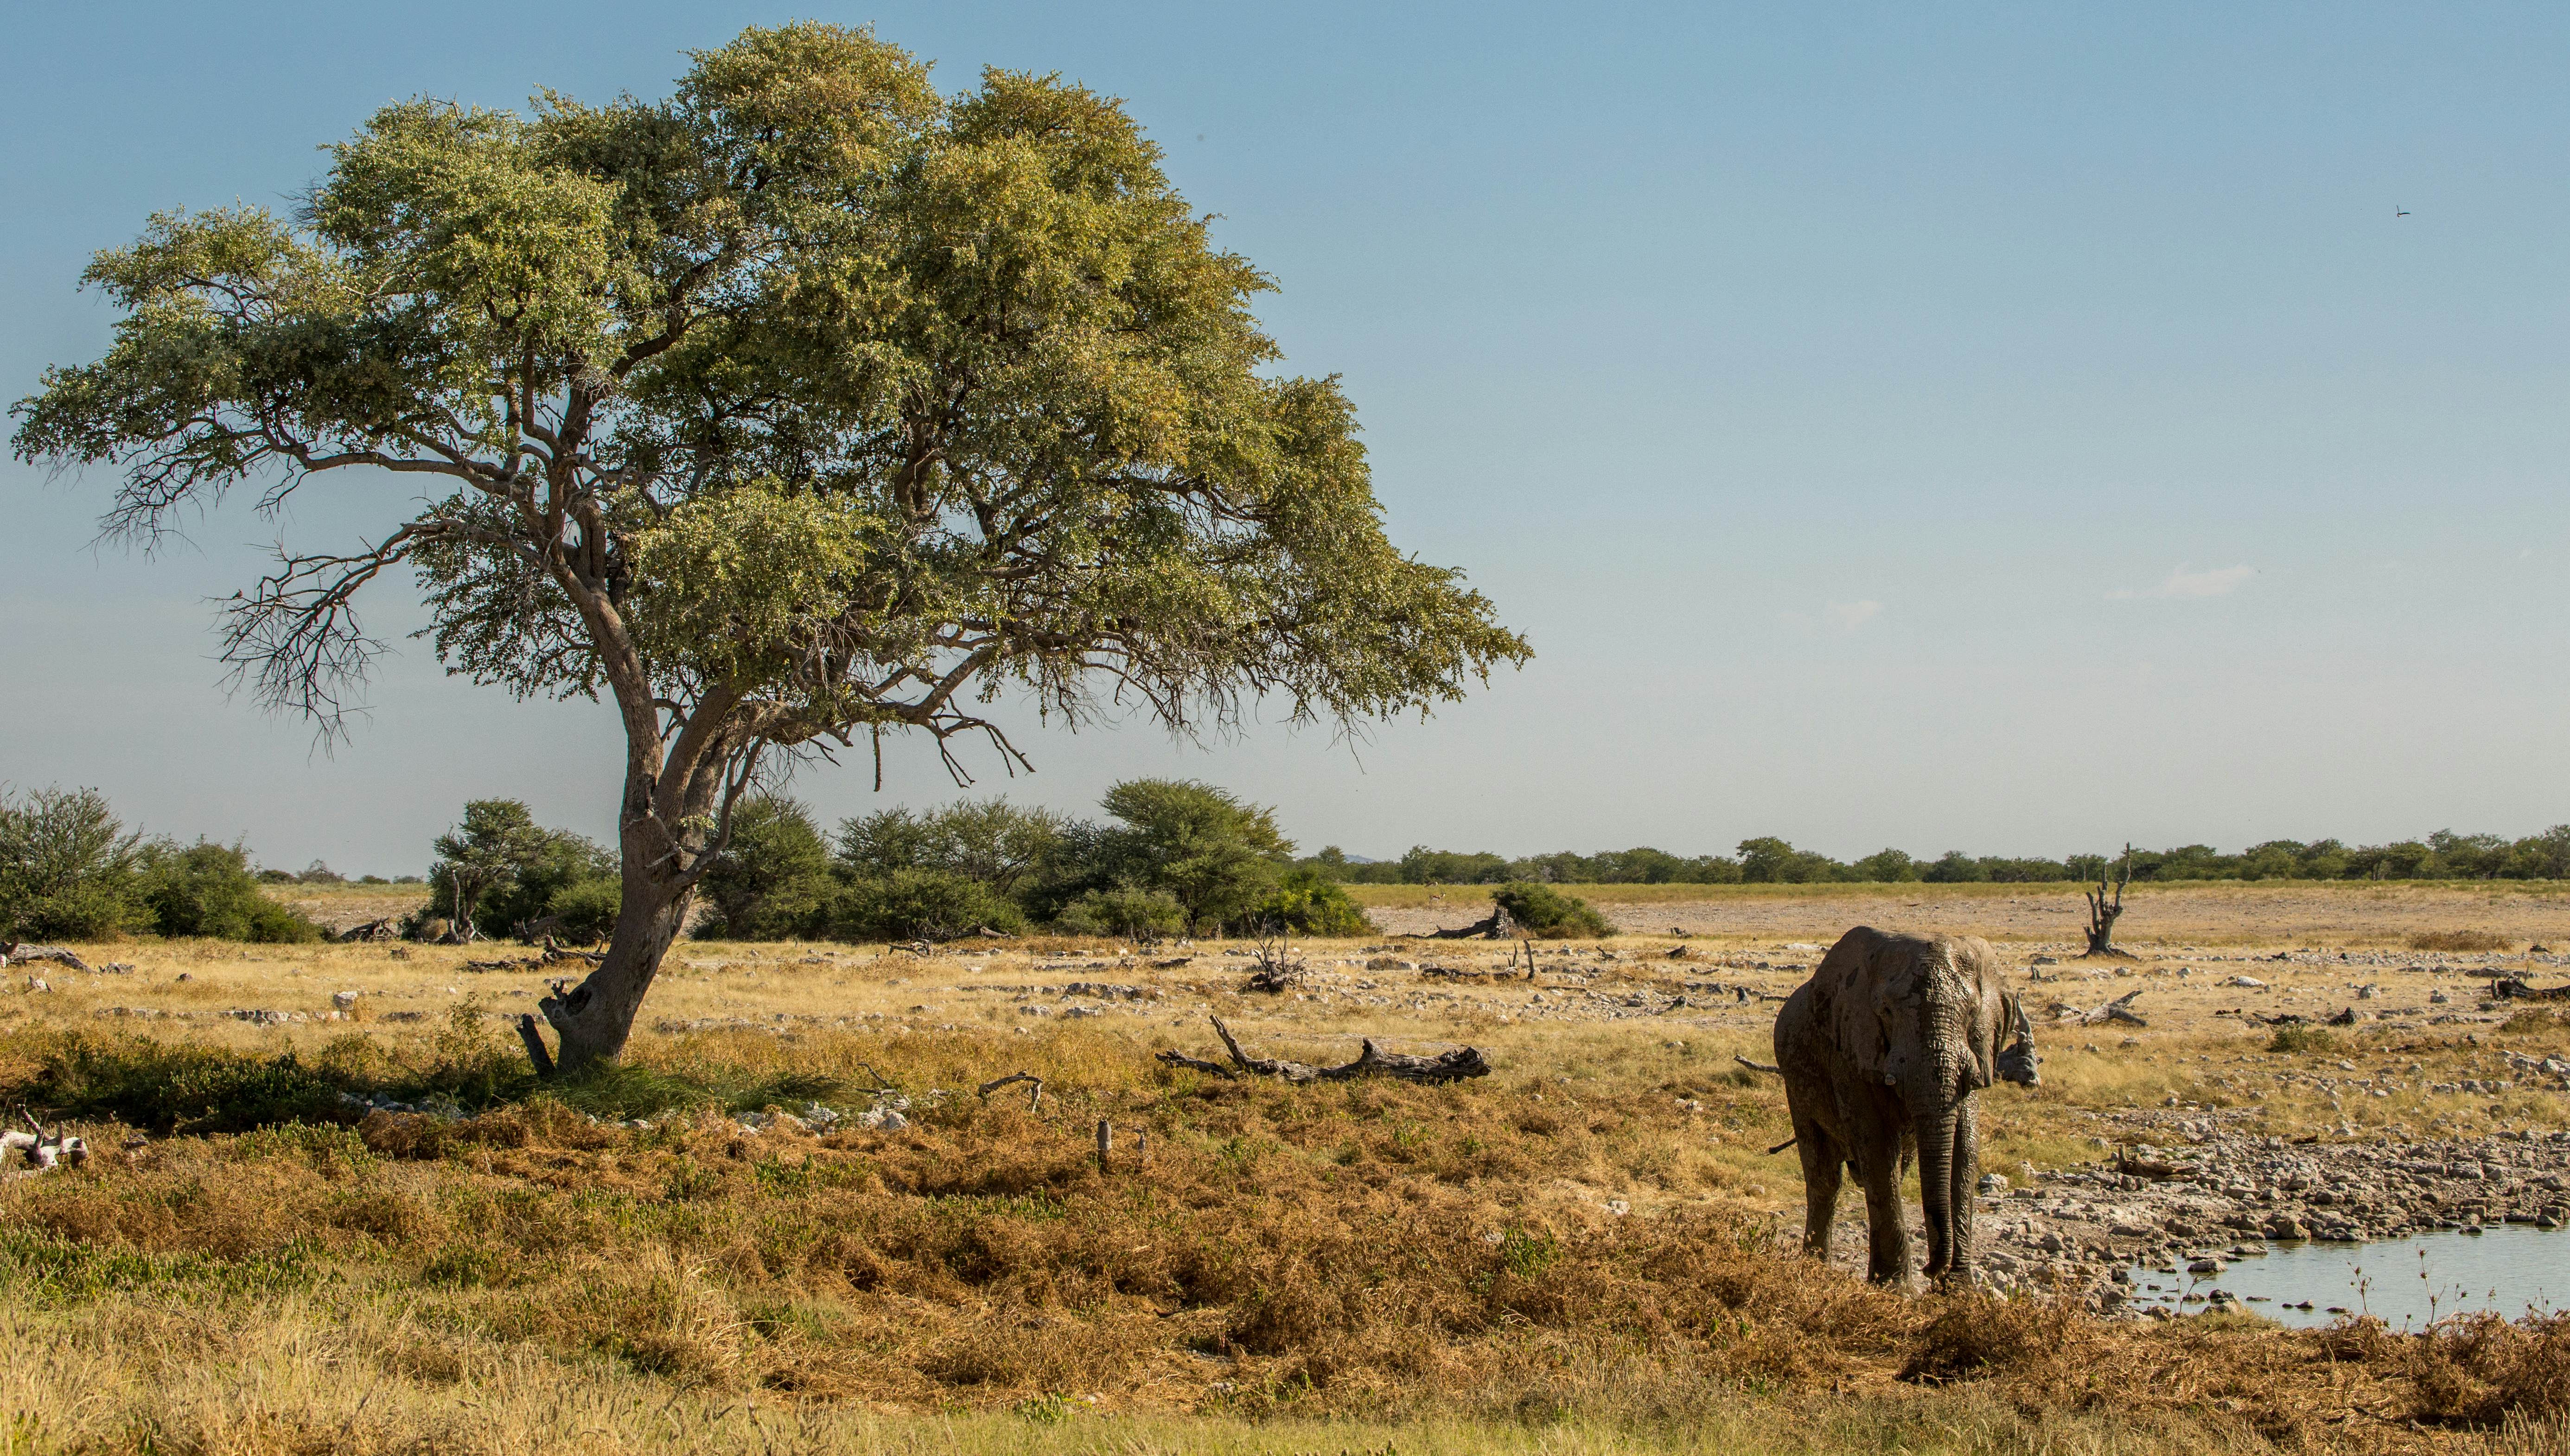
(1882, 1051)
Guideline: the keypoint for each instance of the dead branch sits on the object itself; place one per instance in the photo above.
(2118, 1010)
(2508, 987)
(1499, 925)
(381, 930)
(536, 1052)
(1034, 1099)
(2102, 915)
(1451, 1066)
(43, 1149)
(1278, 969)
(11, 951)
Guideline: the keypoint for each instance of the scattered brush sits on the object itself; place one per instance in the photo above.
(2459, 941)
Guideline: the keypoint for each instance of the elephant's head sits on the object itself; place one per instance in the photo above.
(1942, 1016)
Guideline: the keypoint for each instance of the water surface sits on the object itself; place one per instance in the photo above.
(2507, 1268)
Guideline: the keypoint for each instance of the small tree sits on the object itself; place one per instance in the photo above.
(67, 867)
(480, 856)
(2103, 912)
(805, 407)
(773, 879)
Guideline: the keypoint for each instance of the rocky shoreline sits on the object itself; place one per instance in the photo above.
(2227, 1193)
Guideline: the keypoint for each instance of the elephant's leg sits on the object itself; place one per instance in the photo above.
(1878, 1171)
(1822, 1157)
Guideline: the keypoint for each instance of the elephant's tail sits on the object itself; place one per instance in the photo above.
(1758, 1066)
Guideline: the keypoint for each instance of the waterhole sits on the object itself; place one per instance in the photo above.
(2406, 1283)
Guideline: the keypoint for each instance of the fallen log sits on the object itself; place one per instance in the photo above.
(371, 931)
(2118, 1010)
(11, 951)
(1499, 925)
(43, 1149)
(2510, 988)
(1453, 1066)
(1035, 1100)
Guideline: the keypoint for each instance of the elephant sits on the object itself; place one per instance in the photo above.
(1882, 1051)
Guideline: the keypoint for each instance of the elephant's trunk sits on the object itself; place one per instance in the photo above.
(1933, 1122)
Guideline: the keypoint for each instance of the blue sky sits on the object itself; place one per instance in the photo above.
(2015, 429)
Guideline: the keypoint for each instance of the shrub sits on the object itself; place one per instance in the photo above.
(1124, 910)
(584, 912)
(774, 877)
(1216, 855)
(210, 890)
(180, 1088)
(1309, 904)
(67, 868)
(1548, 914)
(2300, 1039)
(498, 871)
(919, 904)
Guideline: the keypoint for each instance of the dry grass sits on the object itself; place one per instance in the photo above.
(1283, 1269)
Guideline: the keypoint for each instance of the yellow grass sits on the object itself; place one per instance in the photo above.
(1283, 1269)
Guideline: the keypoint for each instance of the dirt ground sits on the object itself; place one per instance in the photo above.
(2275, 913)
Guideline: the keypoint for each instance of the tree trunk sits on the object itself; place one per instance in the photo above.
(595, 1017)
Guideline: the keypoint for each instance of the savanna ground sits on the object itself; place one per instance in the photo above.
(1575, 1254)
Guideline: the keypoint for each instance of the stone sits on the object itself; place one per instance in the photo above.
(1993, 1185)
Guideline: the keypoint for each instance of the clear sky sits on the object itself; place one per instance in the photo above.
(2010, 429)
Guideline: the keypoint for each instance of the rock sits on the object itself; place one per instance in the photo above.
(2285, 1226)
(2437, 998)
(2368, 992)
(1993, 1185)
(2250, 981)
(344, 1000)
(2205, 1266)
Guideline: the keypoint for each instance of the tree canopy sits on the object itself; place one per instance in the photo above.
(805, 406)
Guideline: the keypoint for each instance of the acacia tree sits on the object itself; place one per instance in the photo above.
(802, 408)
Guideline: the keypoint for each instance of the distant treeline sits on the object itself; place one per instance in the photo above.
(2443, 854)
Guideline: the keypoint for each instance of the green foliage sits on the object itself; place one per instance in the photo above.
(499, 871)
(1123, 911)
(919, 904)
(1306, 904)
(748, 334)
(1548, 914)
(1771, 861)
(176, 1087)
(208, 890)
(1216, 855)
(772, 878)
(68, 868)
(584, 912)
(2300, 1039)
(1005, 846)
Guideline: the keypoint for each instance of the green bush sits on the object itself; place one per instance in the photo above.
(499, 871)
(174, 1087)
(919, 904)
(1548, 914)
(2300, 1039)
(772, 878)
(67, 868)
(210, 890)
(586, 909)
(1309, 904)
(1124, 909)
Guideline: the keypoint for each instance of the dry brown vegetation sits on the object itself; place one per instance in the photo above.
(1314, 1269)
